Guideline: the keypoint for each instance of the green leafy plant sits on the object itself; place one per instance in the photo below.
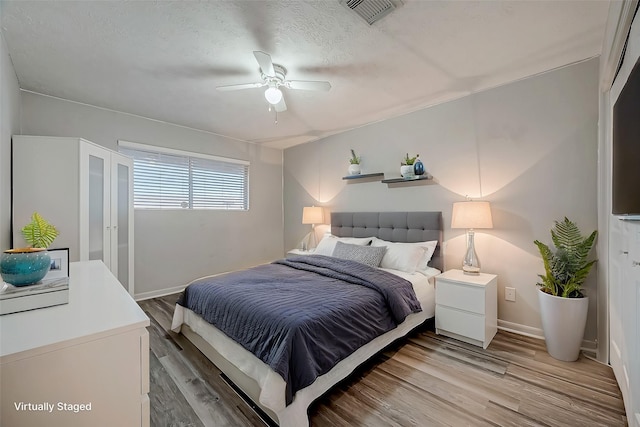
(567, 268)
(354, 160)
(39, 233)
(408, 161)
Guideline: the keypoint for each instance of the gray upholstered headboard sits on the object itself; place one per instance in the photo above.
(406, 227)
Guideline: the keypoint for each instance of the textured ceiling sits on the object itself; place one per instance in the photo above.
(163, 60)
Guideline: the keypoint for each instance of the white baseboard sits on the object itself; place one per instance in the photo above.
(516, 328)
(521, 329)
(158, 293)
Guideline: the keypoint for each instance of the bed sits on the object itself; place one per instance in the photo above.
(259, 377)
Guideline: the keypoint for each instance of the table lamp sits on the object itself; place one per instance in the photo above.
(312, 215)
(471, 215)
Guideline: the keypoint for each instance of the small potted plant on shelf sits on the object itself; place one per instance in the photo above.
(563, 305)
(406, 166)
(354, 167)
(26, 266)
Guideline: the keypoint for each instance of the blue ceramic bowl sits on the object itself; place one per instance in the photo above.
(21, 267)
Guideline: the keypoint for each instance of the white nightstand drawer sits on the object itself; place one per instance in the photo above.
(460, 322)
(463, 297)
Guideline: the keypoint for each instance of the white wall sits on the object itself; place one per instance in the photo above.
(529, 147)
(177, 246)
(9, 124)
(624, 250)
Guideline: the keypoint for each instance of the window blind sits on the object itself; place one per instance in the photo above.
(175, 179)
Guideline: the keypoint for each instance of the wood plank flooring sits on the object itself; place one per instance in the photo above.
(424, 380)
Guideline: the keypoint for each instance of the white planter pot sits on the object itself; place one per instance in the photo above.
(563, 322)
(406, 171)
(354, 169)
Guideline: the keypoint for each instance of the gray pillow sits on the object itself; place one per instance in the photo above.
(368, 255)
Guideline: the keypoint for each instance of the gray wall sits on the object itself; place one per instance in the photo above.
(529, 147)
(177, 246)
(9, 124)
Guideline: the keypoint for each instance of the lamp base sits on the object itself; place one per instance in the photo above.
(471, 263)
(473, 271)
(310, 241)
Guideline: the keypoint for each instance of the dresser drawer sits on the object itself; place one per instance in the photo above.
(463, 297)
(460, 322)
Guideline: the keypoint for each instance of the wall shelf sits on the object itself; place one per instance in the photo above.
(401, 182)
(367, 177)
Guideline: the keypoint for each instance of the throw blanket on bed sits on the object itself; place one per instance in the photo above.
(302, 315)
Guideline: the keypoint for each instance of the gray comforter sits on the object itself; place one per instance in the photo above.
(302, 315)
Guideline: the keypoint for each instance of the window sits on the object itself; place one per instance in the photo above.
(164, 178)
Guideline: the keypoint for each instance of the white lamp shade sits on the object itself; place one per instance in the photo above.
(471, 215)
(312, 215)
(273, 95)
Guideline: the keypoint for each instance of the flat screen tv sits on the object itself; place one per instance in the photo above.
(626, 149)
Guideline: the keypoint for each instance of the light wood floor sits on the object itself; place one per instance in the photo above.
(424, 380)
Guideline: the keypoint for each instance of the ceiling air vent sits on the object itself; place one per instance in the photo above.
(372, 10)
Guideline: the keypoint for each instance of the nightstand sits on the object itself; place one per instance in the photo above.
(300, 252)
(467, 306)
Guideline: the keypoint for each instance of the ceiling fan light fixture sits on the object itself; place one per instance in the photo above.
(273, 95)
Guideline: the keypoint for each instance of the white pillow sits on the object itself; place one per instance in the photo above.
(401, 256)
(328, 243)
(422, 264)
(429, 249)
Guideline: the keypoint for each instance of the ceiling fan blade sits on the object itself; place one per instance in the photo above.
(240, 86)
(308, 85)
(266, 65)
(281, 106)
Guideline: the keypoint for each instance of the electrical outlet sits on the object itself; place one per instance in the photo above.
(510, 294)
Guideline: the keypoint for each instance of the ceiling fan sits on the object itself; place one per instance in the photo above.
(274, 77)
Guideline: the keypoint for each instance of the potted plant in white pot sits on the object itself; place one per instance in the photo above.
(563, 305)
(354, 164)
(26, 266)
(406, 166)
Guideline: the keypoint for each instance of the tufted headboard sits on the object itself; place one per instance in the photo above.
(405, 227)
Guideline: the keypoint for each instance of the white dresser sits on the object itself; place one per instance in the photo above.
(467, 306)
(85, 363)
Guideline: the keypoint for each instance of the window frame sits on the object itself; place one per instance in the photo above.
(188, 156)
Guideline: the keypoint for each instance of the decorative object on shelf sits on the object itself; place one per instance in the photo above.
(471, 215)
(312, 215)
(59, 264)
(406, 166)
(418, 166)
(39, 233)
(563, 306)
(47, 293)
(26, 266)
(354, 167)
